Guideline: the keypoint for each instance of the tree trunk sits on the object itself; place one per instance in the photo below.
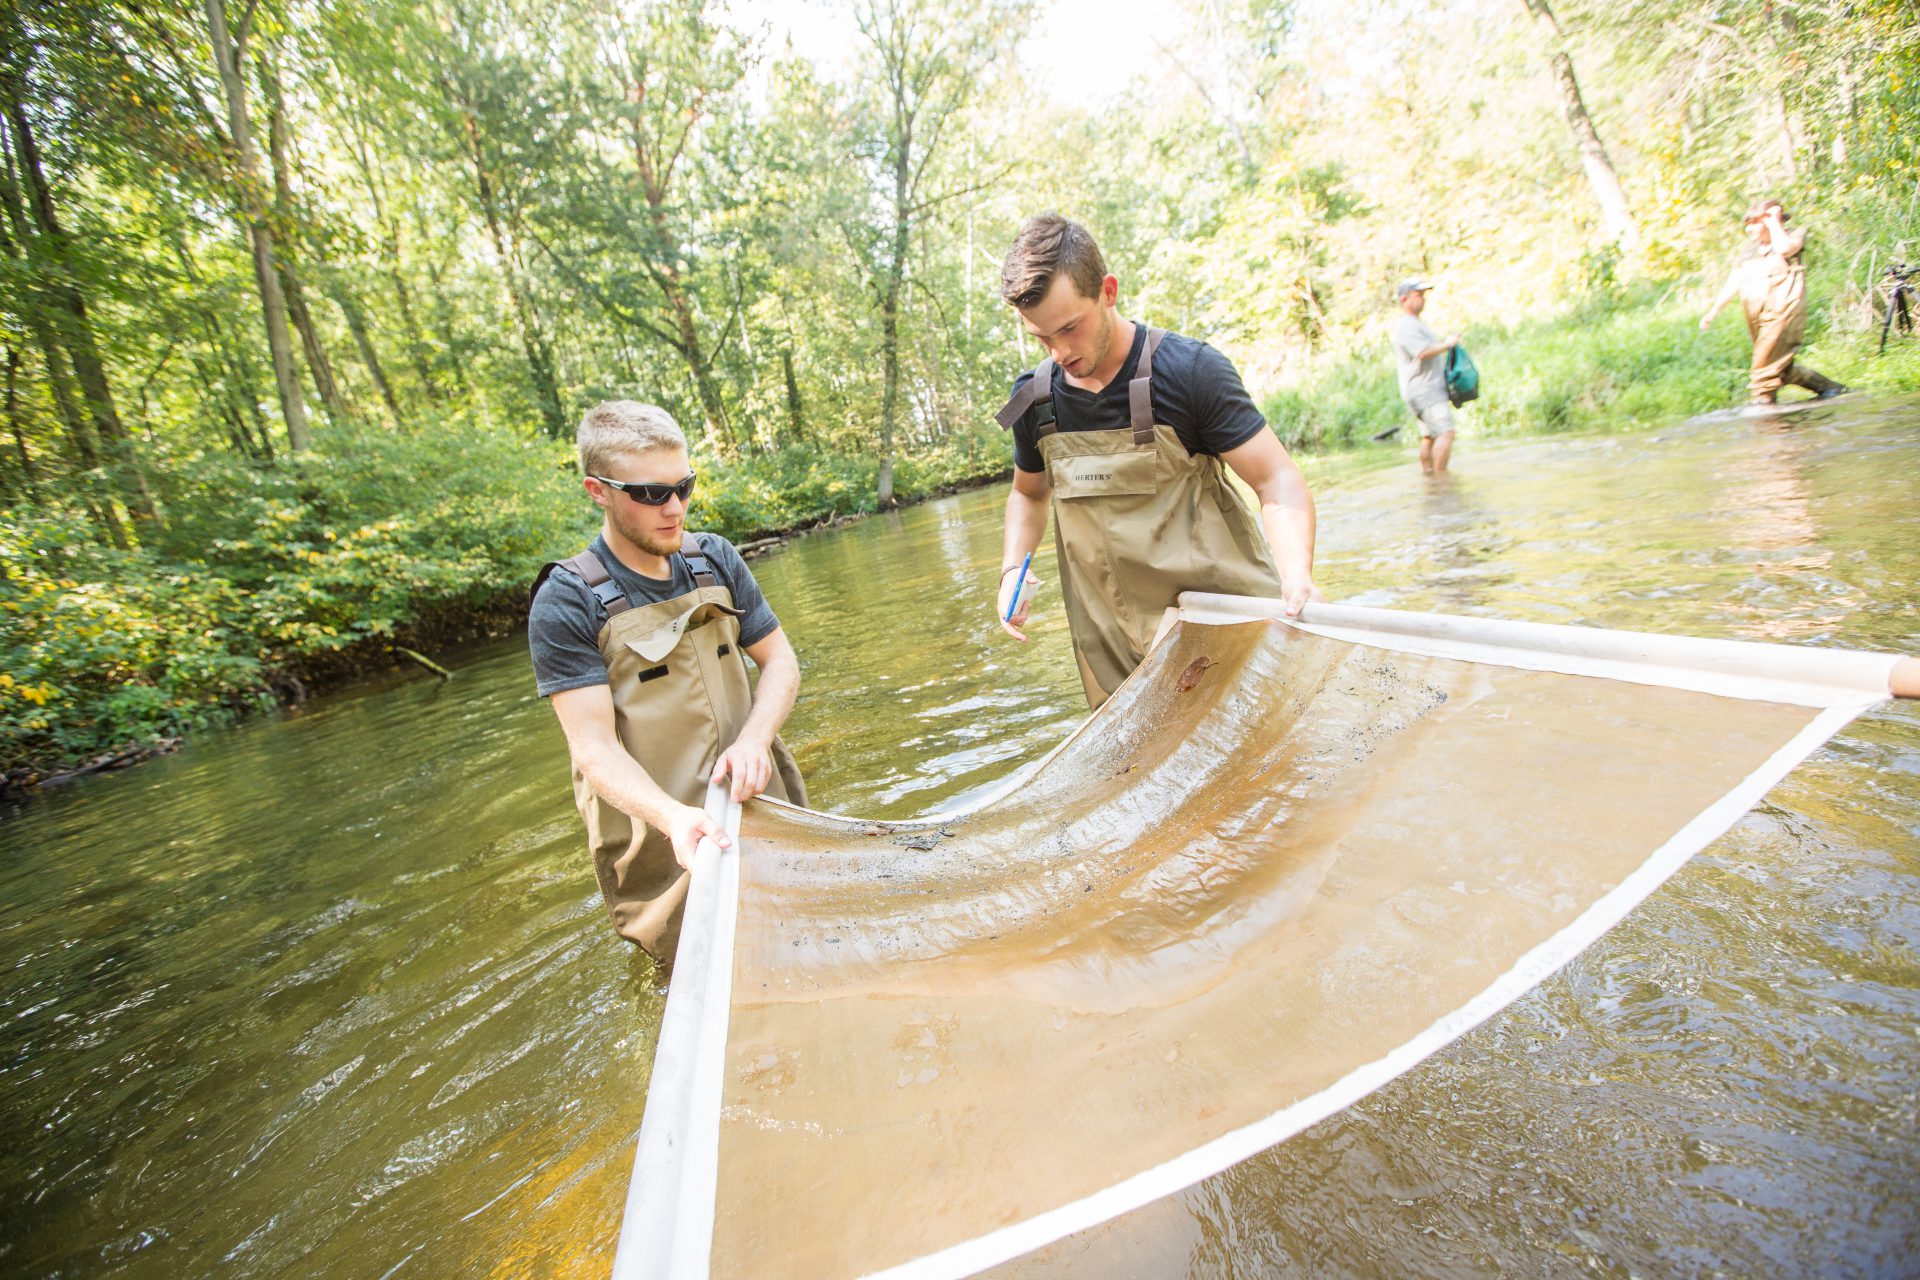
(369, 355)
(1844, 125)
(666, 253)
(1782, 32)
(237, 438)
(713, 409)
(890, 386)
(317, 363)
(225, 405)
(68, 310)
(796, 407)
(539, 357)
(13, 423)
(80, 442)
(235, 372)
(417, 349)
(890, 310)
(227, 51)
(1789, 133)
(35, 309)
(390, 252)
(443, 317)
(1615, 215)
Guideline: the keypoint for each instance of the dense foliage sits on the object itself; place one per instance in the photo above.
(301, 297)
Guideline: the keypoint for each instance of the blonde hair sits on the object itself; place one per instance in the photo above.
(615, 427)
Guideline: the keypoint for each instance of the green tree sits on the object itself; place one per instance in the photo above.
(928, 62)
(229, 48)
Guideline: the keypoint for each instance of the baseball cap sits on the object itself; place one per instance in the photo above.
(1408, 286)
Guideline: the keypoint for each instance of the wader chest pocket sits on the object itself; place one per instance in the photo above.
(658, 643)
(1100, 475)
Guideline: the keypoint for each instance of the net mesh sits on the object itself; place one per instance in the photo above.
(1272, 863)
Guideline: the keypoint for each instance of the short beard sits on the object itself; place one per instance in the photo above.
(1099, 356)
(652, 545)
(656, 548)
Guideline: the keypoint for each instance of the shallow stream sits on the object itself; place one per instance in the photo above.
(332, 994)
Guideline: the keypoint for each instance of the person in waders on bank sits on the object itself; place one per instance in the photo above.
(1127, 433)
(1770, 280)
(641, 642)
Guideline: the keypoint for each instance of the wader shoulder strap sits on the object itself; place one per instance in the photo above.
(1037, 391)
(587, 567)
(1140, 390)
(696, 559)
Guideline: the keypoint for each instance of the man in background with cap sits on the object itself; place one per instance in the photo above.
(1421, 355)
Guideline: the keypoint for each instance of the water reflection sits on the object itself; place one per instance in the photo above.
(1460, 556)
(1769, 510)
(912, 692)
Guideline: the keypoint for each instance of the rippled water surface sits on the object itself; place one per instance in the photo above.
(333, 994)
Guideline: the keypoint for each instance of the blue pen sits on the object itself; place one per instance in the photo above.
(1019, 588)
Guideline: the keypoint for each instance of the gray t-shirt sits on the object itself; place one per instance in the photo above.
(1422, 382)
(563, 627)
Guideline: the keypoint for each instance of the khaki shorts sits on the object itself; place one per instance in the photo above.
(1436, 419)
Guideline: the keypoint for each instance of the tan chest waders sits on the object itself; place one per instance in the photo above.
(681, 695)
(1137, 520)
(1773, 292)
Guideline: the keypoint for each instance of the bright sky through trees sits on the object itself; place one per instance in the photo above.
(1083, 53)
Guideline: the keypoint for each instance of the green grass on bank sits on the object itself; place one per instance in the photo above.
(311, 569)
(1618, 361)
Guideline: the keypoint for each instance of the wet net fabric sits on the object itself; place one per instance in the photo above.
(1273, 872)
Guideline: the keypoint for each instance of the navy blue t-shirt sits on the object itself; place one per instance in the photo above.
(1196, 391)
(563, 627)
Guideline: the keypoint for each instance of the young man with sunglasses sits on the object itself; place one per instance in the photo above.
(641, 642)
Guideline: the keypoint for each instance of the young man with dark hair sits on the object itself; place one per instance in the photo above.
(1127, 434)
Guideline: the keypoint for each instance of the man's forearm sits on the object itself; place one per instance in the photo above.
(773, 698)
(1287, 518)
(618, 779)
(1727, 294)
(1026, 521)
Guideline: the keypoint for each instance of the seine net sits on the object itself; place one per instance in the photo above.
(1280, 867)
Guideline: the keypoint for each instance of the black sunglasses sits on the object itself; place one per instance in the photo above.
(651, 495)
